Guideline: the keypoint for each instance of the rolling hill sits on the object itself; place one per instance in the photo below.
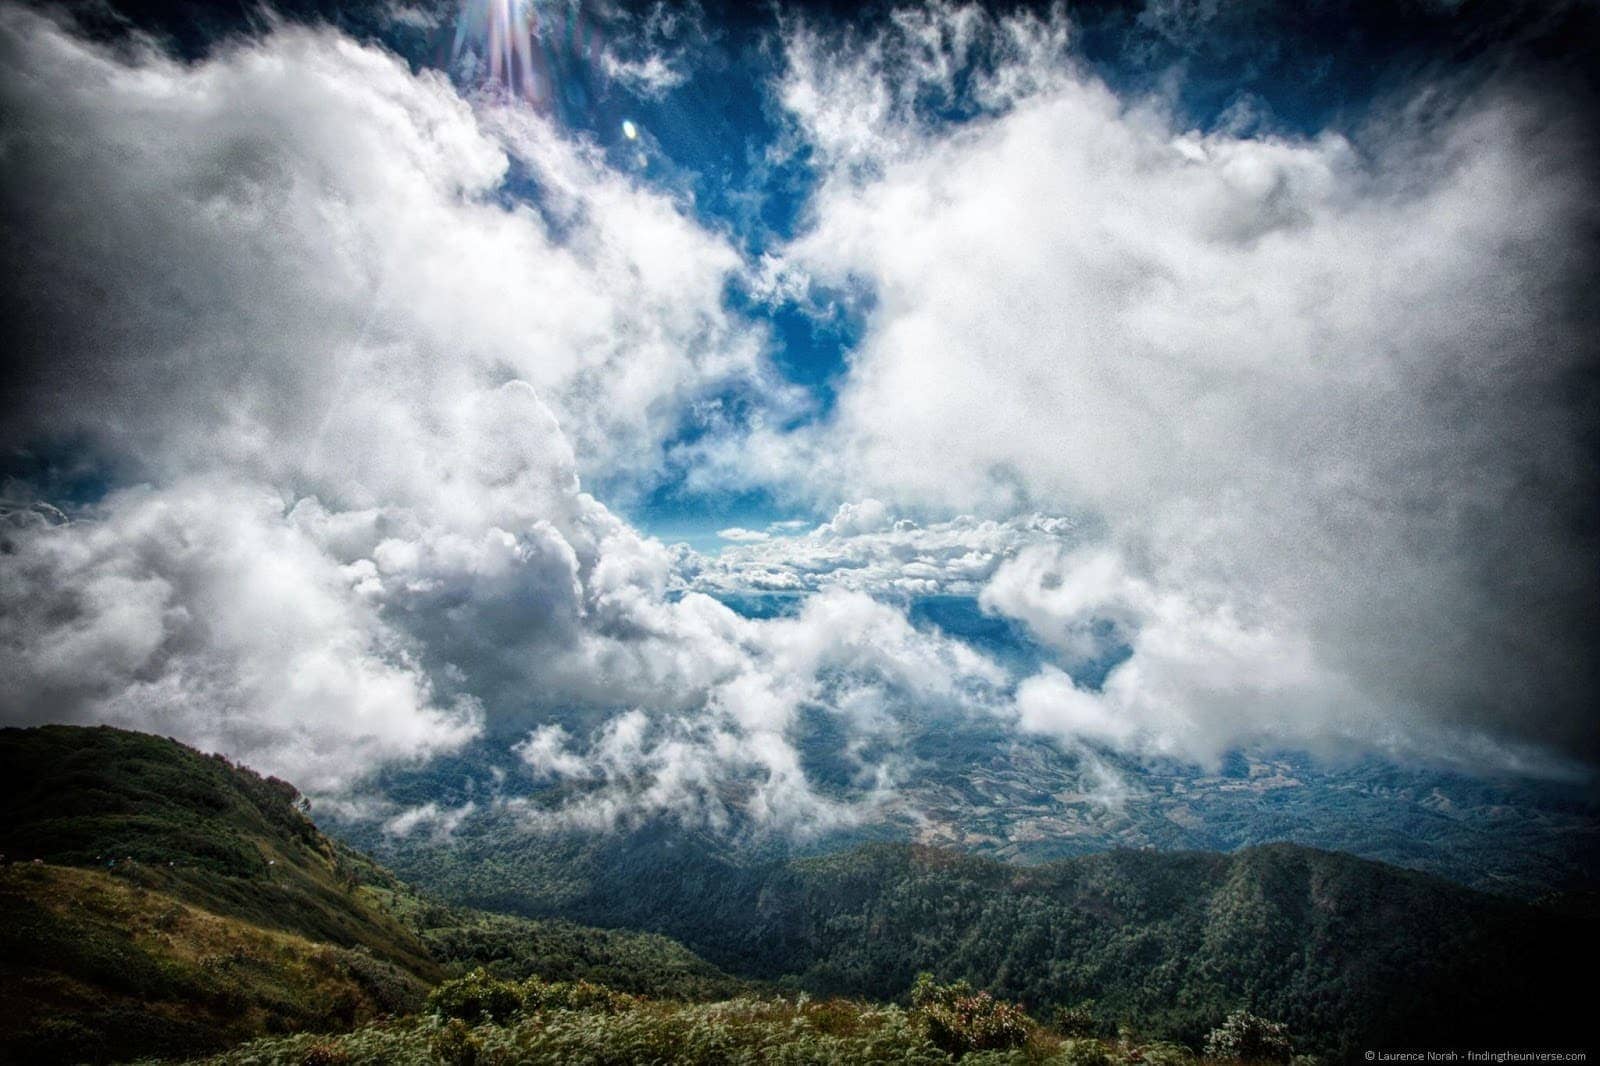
(155, 900)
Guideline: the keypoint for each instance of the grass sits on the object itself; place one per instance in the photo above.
(97, 968)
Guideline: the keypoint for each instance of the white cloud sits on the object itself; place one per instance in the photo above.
(1300, 411)
(295, 219)
(738, 534)
(441, 822)
(730, 748)
(202, 611)
(863, 547)
(1309, 392)
(361, 392)
(1201, 675)
(651, 77)
(360, 389)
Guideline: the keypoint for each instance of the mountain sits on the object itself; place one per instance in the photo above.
(1350, 953)
(155, 900)
(158, 900)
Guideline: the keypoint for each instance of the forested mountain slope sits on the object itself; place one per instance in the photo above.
(1348, 952)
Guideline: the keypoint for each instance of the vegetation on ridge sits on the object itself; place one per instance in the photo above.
(1349, 953)
(478, 1020)
(154, 900)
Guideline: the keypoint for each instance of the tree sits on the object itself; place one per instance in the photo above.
(959, 1020)
(1246, 1037)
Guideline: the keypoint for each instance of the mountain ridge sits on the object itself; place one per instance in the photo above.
(1351, 950)
(210, 884)
(154, 899)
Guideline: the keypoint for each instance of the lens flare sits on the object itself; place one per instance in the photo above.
(540, 50)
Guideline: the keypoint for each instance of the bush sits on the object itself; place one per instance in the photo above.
(1246, 1037)
(1076, 1021)
(585, 996)
(392, 989)
(325, 1054)
(1083, 1052)
(1163, 1054)
(475, 997)
(959, 1020)
(456, 1044)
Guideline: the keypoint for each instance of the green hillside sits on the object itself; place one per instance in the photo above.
(213, 835)
(155, 900)
(539, 1024)
(98, 968)
(1349, 952)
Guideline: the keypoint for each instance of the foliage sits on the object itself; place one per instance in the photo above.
(476, 997)
(325, 1054)
(1248, 1038)
(1076, 1021)
(157, 814)
(99, 968)
(222, 914)
(186, 903)
(538, 995)
(456, 1044)
(960, 1020)
(1348, 953)
(603, 1026)
(516, 948)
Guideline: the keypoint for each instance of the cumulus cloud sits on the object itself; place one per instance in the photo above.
(348, 346)
(351, 392)
(279, 227)
(202, 611)
(739, 534)
(279, 291)
(1323, 396)
(1199, 677)
(864, 548)
(737, 750)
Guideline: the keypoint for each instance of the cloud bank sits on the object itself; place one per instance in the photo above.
(1327, 398)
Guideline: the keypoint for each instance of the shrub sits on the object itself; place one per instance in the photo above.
(538, 994)
(325, 1054)
(476, 996)
(1163, 1054)
(394, 991)
(1076, 1021)
(456, 1044)
(1083, 1052)
(959, 1020)
(1244, 1036)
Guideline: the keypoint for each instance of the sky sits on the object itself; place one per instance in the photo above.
(630, 380)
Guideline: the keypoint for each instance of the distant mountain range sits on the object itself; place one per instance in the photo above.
(980, 788)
